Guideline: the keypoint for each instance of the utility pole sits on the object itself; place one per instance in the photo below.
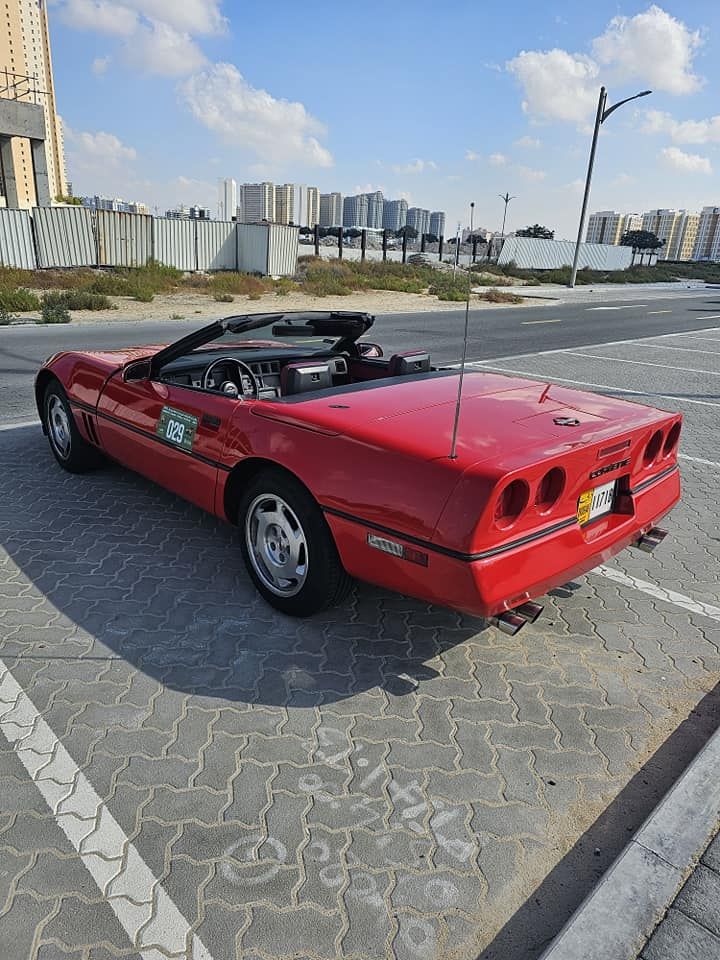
(600, 117)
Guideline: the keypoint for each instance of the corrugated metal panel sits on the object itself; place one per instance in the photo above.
(282, 250)
(535, 254)
(64, 237)
(16, 240)
(216, 245)
(175, 243)
(252, 250)
(124, 239)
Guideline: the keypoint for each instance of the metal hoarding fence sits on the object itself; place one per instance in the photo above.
(64, 237)
(530, 253)
(174, 243)
(16, 240)
(216, 245)
(123, 239)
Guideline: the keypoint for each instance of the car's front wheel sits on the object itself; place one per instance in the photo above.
(288, 548)
(69, 448)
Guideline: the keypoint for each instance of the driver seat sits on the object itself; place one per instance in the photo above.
(304, 376)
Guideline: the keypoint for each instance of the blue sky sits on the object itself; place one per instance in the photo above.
(441, 103)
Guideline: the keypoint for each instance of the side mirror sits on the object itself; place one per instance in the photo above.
(137, 370)
(370, 350)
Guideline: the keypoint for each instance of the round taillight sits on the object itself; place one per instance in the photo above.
(549, 489)
(653, 448)
(511, 503)
(671, 440)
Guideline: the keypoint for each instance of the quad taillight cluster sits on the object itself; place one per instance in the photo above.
(516, 497)
(661, 444)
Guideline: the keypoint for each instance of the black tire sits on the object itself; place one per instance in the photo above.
(76, 455)
(325, 582)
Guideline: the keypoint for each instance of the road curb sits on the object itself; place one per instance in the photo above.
(615, 920)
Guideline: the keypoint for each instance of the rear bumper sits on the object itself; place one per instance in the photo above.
(491, 584)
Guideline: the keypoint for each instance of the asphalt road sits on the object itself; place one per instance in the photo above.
(493, 334)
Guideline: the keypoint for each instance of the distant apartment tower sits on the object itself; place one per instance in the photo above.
(331, 209)
(227, 198)
(114, 203)
(313, 207)
(375, 210)
(707, 243)
(419, 218)
(256, 202)
(678, 228)
(394, 214)
(355, 211)
(608, 226)
(25, 51)
(437, 223)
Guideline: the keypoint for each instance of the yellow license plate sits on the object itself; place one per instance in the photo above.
(595, 503)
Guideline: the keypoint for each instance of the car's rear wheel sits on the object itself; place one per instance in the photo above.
(288, 548)
(69, 448)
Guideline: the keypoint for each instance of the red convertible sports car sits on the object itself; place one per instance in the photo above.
(337, 462)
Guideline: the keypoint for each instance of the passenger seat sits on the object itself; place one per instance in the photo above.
(304, 376)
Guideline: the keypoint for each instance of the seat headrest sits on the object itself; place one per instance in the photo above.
(412, 361)
(305, 375)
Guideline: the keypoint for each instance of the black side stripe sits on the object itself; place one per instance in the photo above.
(150, 436)
(656, 479)
(447, 551)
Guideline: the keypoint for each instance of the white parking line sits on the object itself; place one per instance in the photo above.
(485, 365)
(644, 363)
(659, 593)
(662, 346)
(628, 306)
(527, 323)
(18, 424)
(592, 346)
(151, 920)
(691, 336)
(654, 313)
(707, 463)
(714, 316)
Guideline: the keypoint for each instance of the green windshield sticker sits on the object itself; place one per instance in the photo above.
(177, 427)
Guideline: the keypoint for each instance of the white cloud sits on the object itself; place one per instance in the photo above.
(471, 155)
(414, 166)
(98, 149)
(557, 85)
(100, 65)
(159, 48)
(677, 159)
(497, 159)
(682, 131)
(101, 16)
(280, 131)
(368, 188)
(122, 17)
(653, 47)
(531, 143)
(527, 173)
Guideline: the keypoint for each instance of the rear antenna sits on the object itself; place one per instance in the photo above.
(453, 445)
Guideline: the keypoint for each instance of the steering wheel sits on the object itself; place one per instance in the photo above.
(246, 379)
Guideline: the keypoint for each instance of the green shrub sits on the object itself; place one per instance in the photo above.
(141, 293)
(242, 284)
(20, 299)
(6, 318)
(54, 313)
(223, 297)
(78, 300)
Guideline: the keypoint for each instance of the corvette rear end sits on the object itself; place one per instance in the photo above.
(573, 479)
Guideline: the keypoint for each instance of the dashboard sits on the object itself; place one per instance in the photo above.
(265, 365)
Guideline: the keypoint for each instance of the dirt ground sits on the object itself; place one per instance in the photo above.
(187, 305)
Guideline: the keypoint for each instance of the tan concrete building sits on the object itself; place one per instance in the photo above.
(678, 228)
(608, 226)
(313, 206)
(707, 244)
(25, 51)
(256, 202)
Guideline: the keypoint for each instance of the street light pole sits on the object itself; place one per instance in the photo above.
(600, 117)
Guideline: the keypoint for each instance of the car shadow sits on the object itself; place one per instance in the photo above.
(163, 586)
(541, 917)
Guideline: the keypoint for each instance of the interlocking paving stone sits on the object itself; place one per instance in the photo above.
(387, 779)
(680, 938)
